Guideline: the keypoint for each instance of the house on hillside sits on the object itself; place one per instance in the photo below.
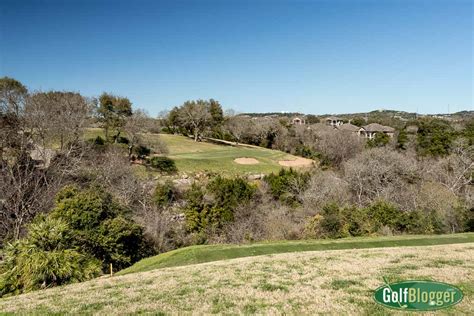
(369, 131)
(334, 121)
(348, 127)
(298, 121)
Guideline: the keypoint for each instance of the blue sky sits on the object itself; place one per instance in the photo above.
(253, 56)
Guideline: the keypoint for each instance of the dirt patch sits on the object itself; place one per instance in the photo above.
(298, 162)
(246, 161)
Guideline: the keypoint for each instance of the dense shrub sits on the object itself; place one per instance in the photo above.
(307, 152)
(337, 222)
(211, 208)
(288, 185)
(100, 226)
(333, 223)
(163, 164)
(141, 151)
(99, 141)
(122, 140)
(164, 193)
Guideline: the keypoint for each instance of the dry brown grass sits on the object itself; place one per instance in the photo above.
(333, 282)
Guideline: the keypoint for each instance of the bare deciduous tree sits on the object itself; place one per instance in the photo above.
(237, 126)
(57, 117)
(338, 146)
(325, 187)
(455, 171)
(135, 125)
(376, 173)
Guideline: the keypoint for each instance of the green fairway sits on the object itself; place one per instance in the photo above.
(208, 253)
(191, 156)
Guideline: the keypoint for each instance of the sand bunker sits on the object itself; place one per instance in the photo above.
(246, 161)
(298, 162)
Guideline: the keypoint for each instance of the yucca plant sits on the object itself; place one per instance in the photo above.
(44, 259)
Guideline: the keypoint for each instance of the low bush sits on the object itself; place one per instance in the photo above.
(141, 151)
(163, 164)
(122, 140)
(99, 141)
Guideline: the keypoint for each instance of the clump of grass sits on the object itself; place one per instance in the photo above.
(338, 284)
(439, 263)
(269, 287)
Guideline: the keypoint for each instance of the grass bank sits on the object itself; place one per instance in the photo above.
(330, 282)
(208, 253)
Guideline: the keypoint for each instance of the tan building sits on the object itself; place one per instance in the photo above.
(298, 121)
(369, 131)
(334, 121)
(348, 127)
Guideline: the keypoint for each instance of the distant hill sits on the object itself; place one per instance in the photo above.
(375, 113)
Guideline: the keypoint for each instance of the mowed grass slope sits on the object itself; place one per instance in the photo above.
(192, 157)
(337, 282)
(208, 253)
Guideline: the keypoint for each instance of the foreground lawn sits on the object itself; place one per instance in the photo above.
(200, 254)
(329, 282)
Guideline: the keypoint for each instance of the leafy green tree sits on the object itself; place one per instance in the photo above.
(112, 112)
(217, 113)
(434, 137)
(358, 121)
(196, 117)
